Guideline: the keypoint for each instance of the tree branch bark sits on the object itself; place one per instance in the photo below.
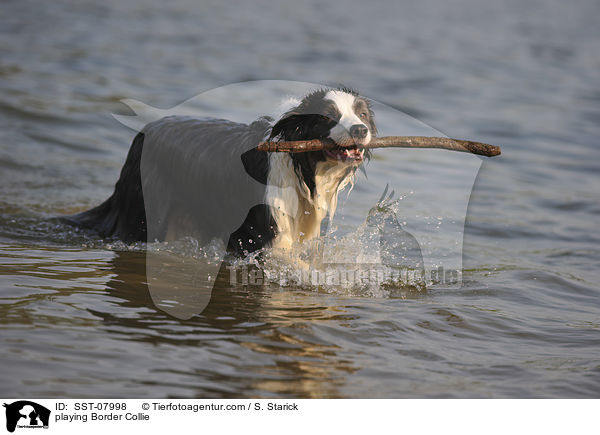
(465, 146)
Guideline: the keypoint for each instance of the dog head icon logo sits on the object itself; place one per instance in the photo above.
(25, 413)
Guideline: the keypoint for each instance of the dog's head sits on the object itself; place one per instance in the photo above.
(337, 114)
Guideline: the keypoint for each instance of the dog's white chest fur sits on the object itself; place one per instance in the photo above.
(297, 213)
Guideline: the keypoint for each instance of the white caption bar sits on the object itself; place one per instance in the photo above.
(307, 417)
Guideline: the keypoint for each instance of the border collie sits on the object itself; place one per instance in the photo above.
(205, 178)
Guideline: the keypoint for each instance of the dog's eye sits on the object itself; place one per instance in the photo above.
(363, 115)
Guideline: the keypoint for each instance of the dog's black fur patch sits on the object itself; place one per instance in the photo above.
(123, 214)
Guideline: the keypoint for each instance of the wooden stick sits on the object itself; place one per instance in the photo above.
(465, 146)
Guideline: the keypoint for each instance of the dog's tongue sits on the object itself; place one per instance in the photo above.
(353, 153)
(346, 153)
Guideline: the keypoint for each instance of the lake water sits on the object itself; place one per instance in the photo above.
(77, 316)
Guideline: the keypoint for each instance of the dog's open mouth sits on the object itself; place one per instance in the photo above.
(346, 154)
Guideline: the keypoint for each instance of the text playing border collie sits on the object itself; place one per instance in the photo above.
(205, 178)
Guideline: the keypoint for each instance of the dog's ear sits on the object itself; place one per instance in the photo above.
(286, 125)
(372, 125)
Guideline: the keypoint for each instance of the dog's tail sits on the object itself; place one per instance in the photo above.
(123, 214)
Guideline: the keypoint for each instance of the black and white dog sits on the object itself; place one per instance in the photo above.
(205, 178)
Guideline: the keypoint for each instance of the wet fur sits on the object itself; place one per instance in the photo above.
(293, 194)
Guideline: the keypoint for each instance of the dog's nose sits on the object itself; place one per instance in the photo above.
(359, 131)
